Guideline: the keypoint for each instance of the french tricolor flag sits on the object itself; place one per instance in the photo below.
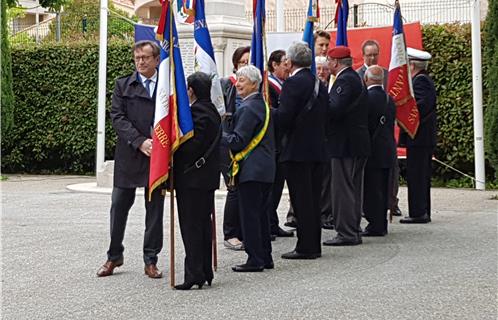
(399, 85)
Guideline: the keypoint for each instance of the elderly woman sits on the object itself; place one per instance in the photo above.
(231, 223)
(251, 142)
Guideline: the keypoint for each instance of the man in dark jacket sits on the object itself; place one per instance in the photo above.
(381, 115)
(419, 150)
(196, 176)
(132, 114)
(301, 119)
(349, 146)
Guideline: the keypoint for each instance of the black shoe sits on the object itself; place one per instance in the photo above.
(367, 233)
(294, 255)
(282, 233)
(342, 242)
(291, 224)
(423, 219)
(397, 212)
(270, 265)
(247, 268)
(189, 285)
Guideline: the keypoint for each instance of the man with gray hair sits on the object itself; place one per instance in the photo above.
(301, 118)
(349, 146)
(381, 115)
(419, 150)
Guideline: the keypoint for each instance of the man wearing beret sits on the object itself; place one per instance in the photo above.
(349, 146)
(419, 150)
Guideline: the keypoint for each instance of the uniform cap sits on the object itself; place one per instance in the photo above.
(414, 54)
(339, 52)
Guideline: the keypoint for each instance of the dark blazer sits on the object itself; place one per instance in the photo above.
(248, 121)
(383, 144)
(305, 140)
(206, 128)
(361, 71)
(348, 134)
(229, 94)
(132, 115)
(425, 95)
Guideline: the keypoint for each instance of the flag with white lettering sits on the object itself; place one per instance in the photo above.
(399, 84)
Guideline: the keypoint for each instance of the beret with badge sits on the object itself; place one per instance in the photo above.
(339, 52)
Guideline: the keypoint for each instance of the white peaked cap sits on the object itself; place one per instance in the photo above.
(414, 54)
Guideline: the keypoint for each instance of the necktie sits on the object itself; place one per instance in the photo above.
(147, 86)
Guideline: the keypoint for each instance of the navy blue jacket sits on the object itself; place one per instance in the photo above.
(425, 95)
(383, 144)
(132, 115)
(306, 139)
(248, 121)
(348, 135)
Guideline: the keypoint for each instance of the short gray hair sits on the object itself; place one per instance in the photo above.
(348, 62)
(372, 76)
(299, 54)
(419, 64)
(250, 72)
(319, 60)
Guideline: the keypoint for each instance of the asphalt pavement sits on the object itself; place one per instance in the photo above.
(54, 239)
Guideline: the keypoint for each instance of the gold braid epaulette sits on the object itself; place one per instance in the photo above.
(247, 150)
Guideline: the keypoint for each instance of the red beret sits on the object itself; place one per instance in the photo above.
(339, 52)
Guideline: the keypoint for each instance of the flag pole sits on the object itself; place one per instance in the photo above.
(172, 185)
(213, 237)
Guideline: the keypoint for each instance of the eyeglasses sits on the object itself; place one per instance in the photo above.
(144, 58)
(243, 63)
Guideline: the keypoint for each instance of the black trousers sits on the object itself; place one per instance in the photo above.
(418, 176)
(254, 199)
(276, 195)
(326, 196)
(304, 180)
(231, 220)
(122, 200)
(375, 195)
(393, 186)
(194, 210)
(347, 192)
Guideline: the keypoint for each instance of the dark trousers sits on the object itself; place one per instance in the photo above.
(393, 186)
(194, 210)
(122, 200)
(276, 195)
(347, 192)
(305, 183)
(375, 197)
(231, 220)
(418, 176)
(254, 198)
(326, 197)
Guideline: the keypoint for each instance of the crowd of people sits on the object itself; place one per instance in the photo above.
(329, 136)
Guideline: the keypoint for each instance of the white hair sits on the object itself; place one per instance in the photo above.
(320, 60)
(250, 72)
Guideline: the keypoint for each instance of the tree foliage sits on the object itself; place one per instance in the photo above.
(7, 98)
(491, 55)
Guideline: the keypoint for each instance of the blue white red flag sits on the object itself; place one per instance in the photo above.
(172, 119)
(399, 84)
(204, 55)
(185, 11)
(308, 36)
(341, 20)
(258, 43)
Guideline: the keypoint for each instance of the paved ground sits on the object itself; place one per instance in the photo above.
(53, 241)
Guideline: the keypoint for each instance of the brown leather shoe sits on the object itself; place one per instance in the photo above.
(108, 267)
(152, 272)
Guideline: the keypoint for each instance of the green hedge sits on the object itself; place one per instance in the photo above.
(56, 94)
(56, 107)
(7, 96)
